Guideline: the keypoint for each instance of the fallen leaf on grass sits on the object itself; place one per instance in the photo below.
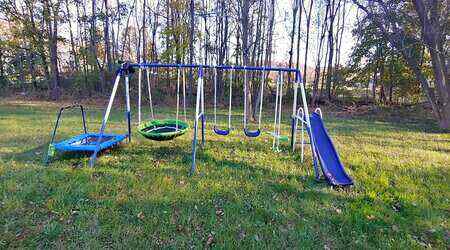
(219, 212)
(76, 165)
(210, 240)
(22, 235)
(370, 217)
(241, 234)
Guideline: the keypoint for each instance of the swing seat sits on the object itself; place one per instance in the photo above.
(250, 133)
(282, 138)
(163, 130)
(223, 132)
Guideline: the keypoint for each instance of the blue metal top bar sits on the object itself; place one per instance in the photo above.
(229, 67)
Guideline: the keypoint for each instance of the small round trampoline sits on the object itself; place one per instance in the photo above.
(163, 130)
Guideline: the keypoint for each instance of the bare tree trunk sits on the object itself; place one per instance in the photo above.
(40, 40)
(137, 37)
(72, 40)
(330, 49)
(2, 63)
(127, 29)
(52, 29)
(319, 59)
(93, 46)
(155, 27)
(256, 46)
(144, 42)
(21, 72)
(297, 66)
(292, 35)
(191, 48)
(244, 16)
(31, 66)
(324, 75)
(308, 25)
(223, 40)
(339, 46)
(107, 38)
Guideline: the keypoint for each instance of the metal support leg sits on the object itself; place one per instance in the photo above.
(127, 96)
(198, 115)
(202, 106)
(308, 126)
(203, 129)
(105, 120)
(294, 110)
(293, 132)
(139, 95)
(194, 148)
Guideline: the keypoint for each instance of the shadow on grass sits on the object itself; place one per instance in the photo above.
(388, 122)
(181, 157)
(34, 155)
(37, 155)
(128, 217)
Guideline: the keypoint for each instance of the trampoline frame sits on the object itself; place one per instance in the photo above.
(68, 145)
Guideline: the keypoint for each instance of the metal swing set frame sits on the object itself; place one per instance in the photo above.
(299, 114)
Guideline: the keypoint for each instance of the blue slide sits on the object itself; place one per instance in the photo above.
(332, 167)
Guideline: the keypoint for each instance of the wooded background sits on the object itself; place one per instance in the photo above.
(71, 48)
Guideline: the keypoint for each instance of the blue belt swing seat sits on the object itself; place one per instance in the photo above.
(86, 142)
(247, 131)
(216, 128)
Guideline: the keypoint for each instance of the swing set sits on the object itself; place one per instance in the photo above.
(322, 147)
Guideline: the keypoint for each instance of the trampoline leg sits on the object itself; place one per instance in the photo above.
(93, 159)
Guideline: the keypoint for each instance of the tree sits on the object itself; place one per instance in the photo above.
(374, 60)
(51, 17)
(407, 26)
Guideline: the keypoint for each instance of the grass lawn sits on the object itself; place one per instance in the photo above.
(243, 195)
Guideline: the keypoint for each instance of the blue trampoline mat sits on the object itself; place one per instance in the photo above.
(88, 142)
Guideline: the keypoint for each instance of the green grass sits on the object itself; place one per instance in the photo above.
(243, 195)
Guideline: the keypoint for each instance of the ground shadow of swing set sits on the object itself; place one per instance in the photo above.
(326, 161)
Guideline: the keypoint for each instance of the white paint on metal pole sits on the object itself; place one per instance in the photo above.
(139, 95)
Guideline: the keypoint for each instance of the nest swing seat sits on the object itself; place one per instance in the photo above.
(163, 130)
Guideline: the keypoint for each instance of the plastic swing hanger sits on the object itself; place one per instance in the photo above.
(257, 132)
(216, 128)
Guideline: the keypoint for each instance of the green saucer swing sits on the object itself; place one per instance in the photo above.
(162, 129)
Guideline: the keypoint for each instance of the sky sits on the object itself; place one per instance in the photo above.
(283, 26)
